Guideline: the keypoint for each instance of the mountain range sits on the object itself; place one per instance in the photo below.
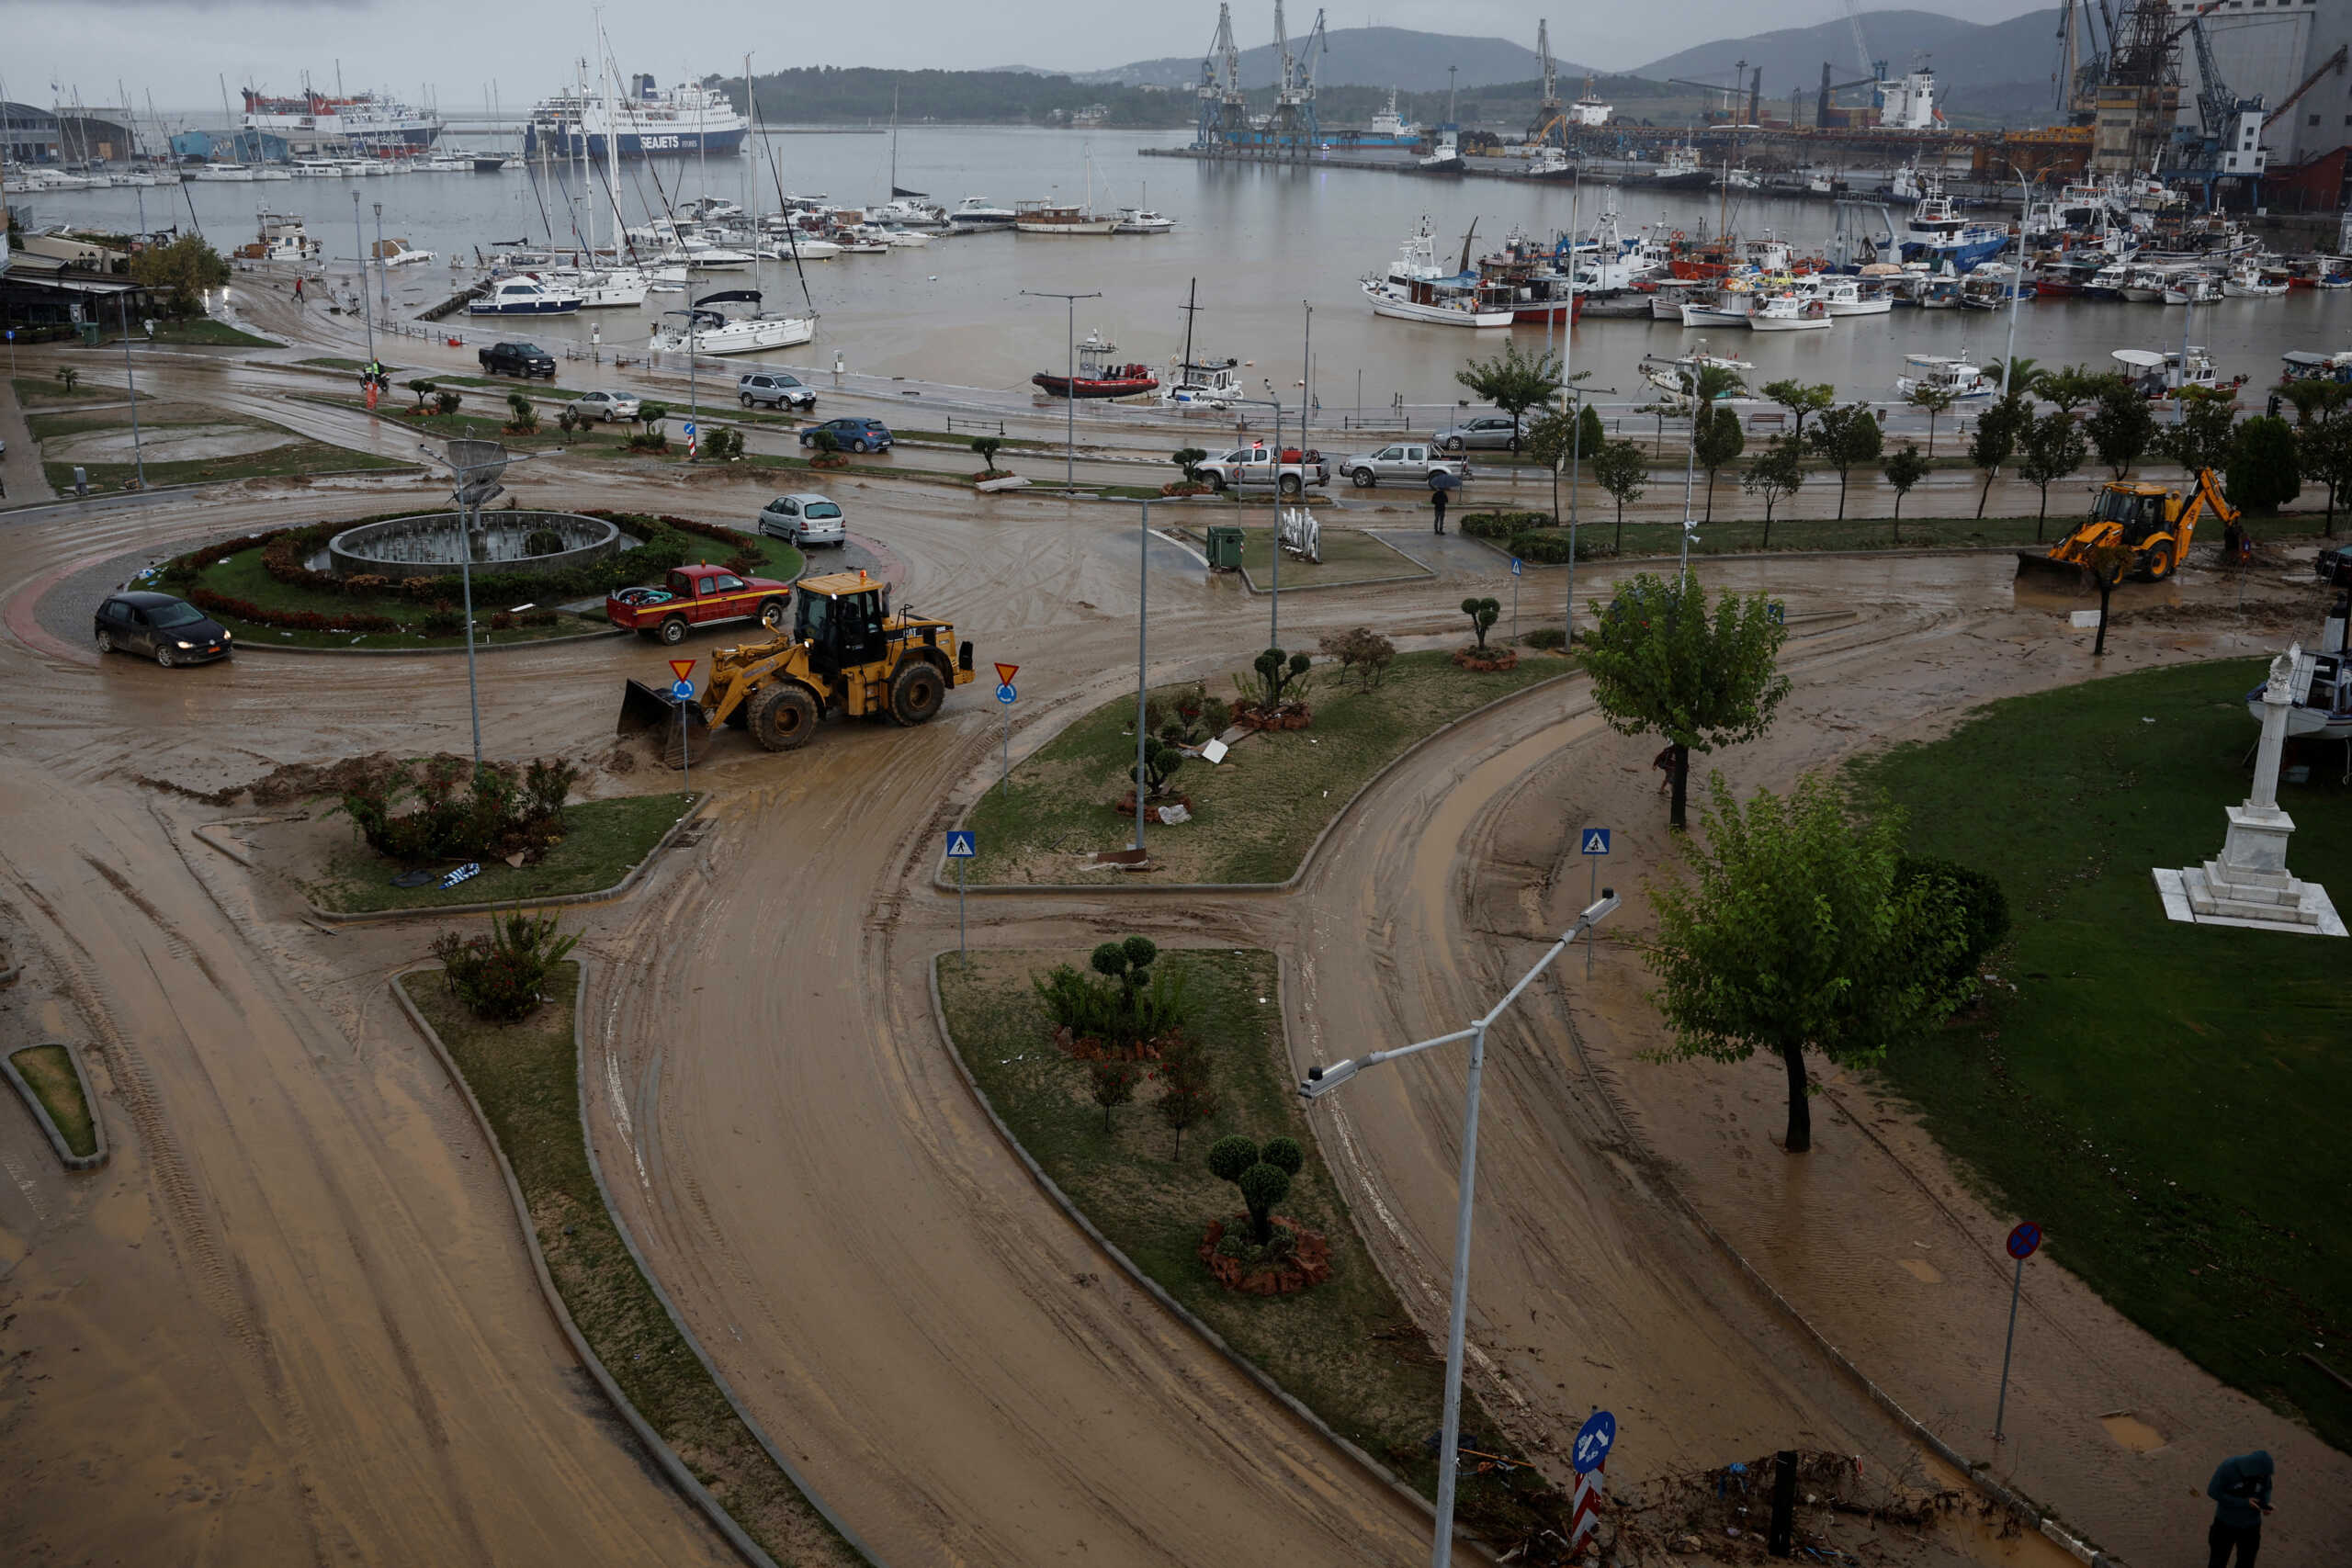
(1977, 65)
(1365, 57)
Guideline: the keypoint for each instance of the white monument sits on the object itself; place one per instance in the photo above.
(2249, 884)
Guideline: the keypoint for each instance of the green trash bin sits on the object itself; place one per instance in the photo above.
(1225, 547)
(92, 334)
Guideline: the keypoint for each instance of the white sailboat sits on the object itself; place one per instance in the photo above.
(714, 332)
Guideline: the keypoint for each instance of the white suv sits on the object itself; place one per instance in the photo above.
(776, 389)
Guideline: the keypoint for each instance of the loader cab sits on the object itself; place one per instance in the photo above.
(2138, 509)
(840, 617)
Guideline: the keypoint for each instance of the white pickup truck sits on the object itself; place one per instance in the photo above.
(1255, 466)
(1415, 463)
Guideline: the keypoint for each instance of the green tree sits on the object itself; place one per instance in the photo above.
(2265, 471)
(1800, 935)
(654, 415)
(1999, 430)
(1933, 401)
(2205, 432)
(1663, 662)
(1263, 1185)
(1188, 459)
(2024, 380)
(2313, 400)
(67, 375)
(1720, 443)
(1622, 469)
(1904, 467)
(181, 271)
(1112, 1082)
(446, 403)
(2325, 457)
(2069, 389)
(2053, 447)
(1846, 437)
(1513, 381)
(1561, 443)
(525, 420)
(1187, 1098)
(1483, 613)
(2120, 427)
(422, 389)
(985, 447)
(1776, 473)
(1801, 399)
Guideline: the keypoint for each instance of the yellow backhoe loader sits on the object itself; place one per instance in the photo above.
(2155, 523)
(843, 652)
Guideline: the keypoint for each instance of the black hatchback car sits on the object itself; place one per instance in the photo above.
(170, 631)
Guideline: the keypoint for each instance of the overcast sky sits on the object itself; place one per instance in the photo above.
(177, 49)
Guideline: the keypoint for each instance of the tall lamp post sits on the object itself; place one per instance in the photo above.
(1274, 591)
(1143, 607)
(474, 468)
(693, 407)
(1069, 389)
(1321, 1081)
(383, 273)
(122, 309)
(366, 309)
(2016, 276)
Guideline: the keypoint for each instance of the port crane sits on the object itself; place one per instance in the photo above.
(1743, 85)
(1224, 114)
(1293, 120)
(1551, 115)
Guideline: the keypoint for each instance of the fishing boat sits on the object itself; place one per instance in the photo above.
(2192, 289)
(2247, 280)
(1445, 156)
(714, 332)
(1788, 311)
(1936, 233)
(2156, 372)
(1679, 373)
(1958, 378)
(1416, 288)
(1057, 218)
(1141, 220)
(980, 212)
(1728, 306)
(2304, 366)
(1098, 375)
(525, 296)
(1991, 286)
(1206, 384)
(1848, 296)
(1551, 163)
(1678, 169)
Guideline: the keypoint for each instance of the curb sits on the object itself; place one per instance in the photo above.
(403, 471)
(370, 917)
(1215, 1341)
(663, 1455)
(428, 652)
(2016, 1502)
(98, 1154)
(1305, 863)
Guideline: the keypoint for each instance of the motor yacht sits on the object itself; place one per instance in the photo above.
(980, 212)
(525, 296)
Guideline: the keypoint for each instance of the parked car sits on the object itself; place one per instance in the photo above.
(170, 631)
(804, 520)
(695, 596)
(1487, 432)
(854, 435)
(1406, 462)
(776, 389)
(1256, 465)
(523, 359)
(613, 408)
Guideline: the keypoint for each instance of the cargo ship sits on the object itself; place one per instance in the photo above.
(686, 119)
(365, 123)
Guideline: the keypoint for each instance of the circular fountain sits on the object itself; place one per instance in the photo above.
(537, 544)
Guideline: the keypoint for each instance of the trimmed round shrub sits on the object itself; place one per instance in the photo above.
(1263, 1185)
(1284, 1154)
(1231, 1157)
(1983, 907)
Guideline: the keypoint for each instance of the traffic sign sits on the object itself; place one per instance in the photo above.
(684, 691)
(1777, 612)
(1596, 841)
(962, 843)
(1594, 1440)
(1006, 694)
(464, 872)
(1005, 672)
(2025, 1241)
(682, 668)
(1514, 566)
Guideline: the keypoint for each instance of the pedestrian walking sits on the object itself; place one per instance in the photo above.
(297, 294)
(1436, 507)
(2241, 1493)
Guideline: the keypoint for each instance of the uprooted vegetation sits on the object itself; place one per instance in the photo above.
(502, 812)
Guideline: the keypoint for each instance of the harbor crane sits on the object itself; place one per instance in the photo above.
(1224, 115)
(1742, 86)
(1293, 120)
(1551, 116)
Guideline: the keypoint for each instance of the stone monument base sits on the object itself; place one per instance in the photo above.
(2198, 895)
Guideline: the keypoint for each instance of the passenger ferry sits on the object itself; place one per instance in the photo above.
(649, 120)
(314, 124)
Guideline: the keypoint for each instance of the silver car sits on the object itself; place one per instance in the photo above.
(1487, 432)
(1406, 462)
(804, 520)
(613, 408)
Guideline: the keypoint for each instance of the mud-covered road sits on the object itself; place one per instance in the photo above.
(292, 1321)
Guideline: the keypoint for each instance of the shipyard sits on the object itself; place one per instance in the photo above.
(1127, 784)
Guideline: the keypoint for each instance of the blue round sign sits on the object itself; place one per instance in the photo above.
(1594, 1440)
(684, 691)
(2024, 1241)
(1005, 694)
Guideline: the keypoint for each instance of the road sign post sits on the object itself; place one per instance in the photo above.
(2024, 1242)
(1594, 842)
(962, 845)
(1007, 696)
(682, 692)
(1514, 596)
(1594, 1439)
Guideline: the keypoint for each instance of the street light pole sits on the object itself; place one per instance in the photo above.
(465, 460)
(1143, 618)
(367, 311)
(2017, 277)
(1070, 383)
(1321, 1081)
(694, 404)
(122, 309)
(383, 273)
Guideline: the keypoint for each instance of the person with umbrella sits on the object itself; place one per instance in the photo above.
(1438, 484)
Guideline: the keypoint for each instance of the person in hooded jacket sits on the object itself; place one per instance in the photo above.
(2241, 1493)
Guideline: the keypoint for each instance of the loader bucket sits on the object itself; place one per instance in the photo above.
(642, 708)
(2048, 568)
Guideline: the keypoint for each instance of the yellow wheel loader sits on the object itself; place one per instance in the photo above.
(843, 652)
(2155, 523)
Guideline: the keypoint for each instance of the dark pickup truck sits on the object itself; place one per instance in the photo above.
(523, 359)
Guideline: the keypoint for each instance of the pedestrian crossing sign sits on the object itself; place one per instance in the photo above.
(1596, 841)
(962, 844)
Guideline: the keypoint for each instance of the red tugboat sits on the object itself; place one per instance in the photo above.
(1098, 376)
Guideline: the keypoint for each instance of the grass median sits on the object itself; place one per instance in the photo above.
(1345, 1349)
(1254, 816)
(1350, 555)
(2166, 1099)
(525, 1077)
(603, 840)
(49, 1071)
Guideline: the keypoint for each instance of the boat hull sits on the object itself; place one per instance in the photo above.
(1438, 315)
(1861, 307)
(1087, 387)
(531, 307)
(1759, 323)
(634, 143)
(1088, 226)
(1708, 316)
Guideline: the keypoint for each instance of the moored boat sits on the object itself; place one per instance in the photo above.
(1098, 376)
(714, 332)
(1416, 288)
(1958, 378)
(525, 296)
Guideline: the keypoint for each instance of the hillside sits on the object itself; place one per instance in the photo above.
(1369, 57)
(1979, 68)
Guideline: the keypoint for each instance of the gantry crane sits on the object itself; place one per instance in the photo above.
(1293, 120)
(1223, 113)
(1551, 116)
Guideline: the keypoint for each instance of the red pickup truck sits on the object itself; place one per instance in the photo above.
(698, 596)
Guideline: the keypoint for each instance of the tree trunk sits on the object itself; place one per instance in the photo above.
(1620, 545)
(2042, 513)
(1985, 492)
(1931, 435)
(1841, 496)
(1800, 1135)
(1768, 527)
(2098, 648)
(1676, 817)
(1711, 495)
